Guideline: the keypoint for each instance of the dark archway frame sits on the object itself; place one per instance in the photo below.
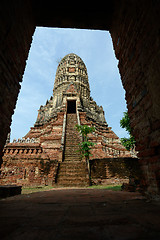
(134, 28)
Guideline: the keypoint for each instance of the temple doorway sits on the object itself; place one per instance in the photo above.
(71, 106)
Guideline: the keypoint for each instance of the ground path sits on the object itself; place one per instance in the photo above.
(79, 214)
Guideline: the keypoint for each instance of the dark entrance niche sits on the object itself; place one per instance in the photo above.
(71, 106)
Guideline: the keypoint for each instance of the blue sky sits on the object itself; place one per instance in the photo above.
(48, 47)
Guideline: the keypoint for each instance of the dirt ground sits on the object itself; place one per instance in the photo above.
(79, 214)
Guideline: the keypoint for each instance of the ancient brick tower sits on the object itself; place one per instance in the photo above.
(48, 153)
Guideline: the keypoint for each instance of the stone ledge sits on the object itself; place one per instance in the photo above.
(10, 190)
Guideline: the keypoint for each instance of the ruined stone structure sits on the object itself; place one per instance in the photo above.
(134, 29)
(49, 151)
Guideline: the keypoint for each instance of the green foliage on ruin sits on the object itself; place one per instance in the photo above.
(85, 148)
(85, 145)
(128, 143)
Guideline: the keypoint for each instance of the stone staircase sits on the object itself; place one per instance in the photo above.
(72, 171)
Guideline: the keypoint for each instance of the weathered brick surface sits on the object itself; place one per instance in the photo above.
(27, 165)
(107, 143)
(34, 163)
(116, 171)
(136, 39)
(16, 27)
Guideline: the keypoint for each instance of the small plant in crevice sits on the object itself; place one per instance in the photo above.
(85, 145)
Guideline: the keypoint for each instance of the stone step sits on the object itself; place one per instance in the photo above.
(73, 157)
(72, 154)
(72, 138)
(72, 171)
(72, 141)
(71, 182)
(68, 170)
(71, 160)
(71, 130)
(72, 144)
(70, 148)
(75, 178)
(75, 171)
(72, 179)
(75, 160)
(63, 175)
(76, 140)
(72, 164)
(70, 135)
(72, 151)
(69, 144)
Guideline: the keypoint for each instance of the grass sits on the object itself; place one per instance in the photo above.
(28, 190)
(107, 187)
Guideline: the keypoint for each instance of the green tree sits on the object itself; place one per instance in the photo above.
(128, 143)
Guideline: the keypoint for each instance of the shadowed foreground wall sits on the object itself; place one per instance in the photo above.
(115, 171)
(136, 39)
(17, 27)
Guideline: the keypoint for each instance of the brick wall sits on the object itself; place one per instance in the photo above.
(28, 169)
(17, 28)
(115, 171)
(136, 39)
